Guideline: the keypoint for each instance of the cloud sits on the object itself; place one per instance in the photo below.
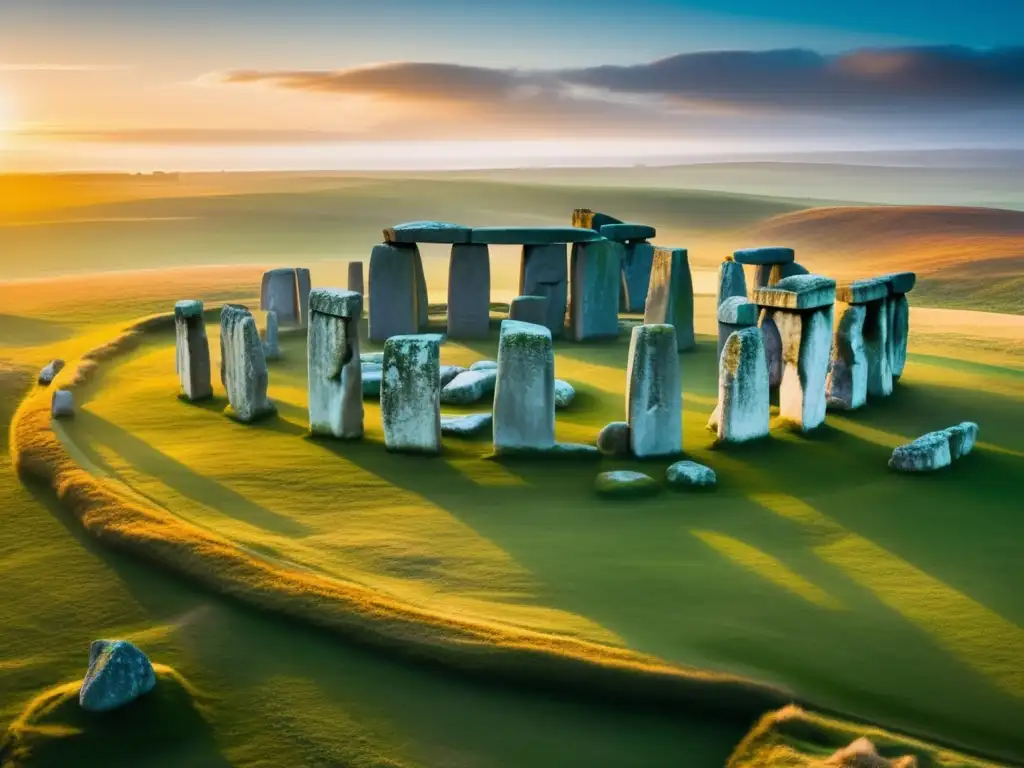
(188, 136)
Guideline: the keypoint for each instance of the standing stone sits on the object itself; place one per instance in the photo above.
(305, 285)
(243, 367)
(334, 365)
(772, 347)
(355, 277)
(847, 384)
(637, 261)
(588, 219)
(734, 314)
(543, 272)
(52, 368)
(118, 674)
(422, 299)
(192, 360)
(731, 281)
(670, 296)
(394, 292)
(654, 400)
(743, 409)
(529, 309)
(877, 350)
(271, 347)
(62, 404)
(524, 395)
(410, 395)
(899, 333)
(469, 292)
(594, 301)
(280, 292)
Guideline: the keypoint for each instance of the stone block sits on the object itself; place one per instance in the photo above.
(469, 292)
(355, 277)
(335, 375)
(410, 395)
(806, 353)
(847, 384)
(654, 401)
(543, 272)
(530, 309)
(469, 387)
(637, 260)
(280, 292)
(192, 352)
(899, 333)
(613, 439)
(594, 300)
(767, 255)
(900, 282)
(743, 410)
(627, 231)
(925, 454)
(670, 295)
(118, 674)
(243, 366)
(588, 219)
(414, 232)
(524, 395)
(305, 285)
(394, 292)
(877, 349)
(62, 404)
(731, 281)
(532, 235)
(862, 291)
(800, 292)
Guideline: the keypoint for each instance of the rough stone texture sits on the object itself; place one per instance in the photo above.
(627, 231)
(613, 439)
(372, 357)
(637, 260)
(543, 272)
(800, 292)
(847, 384)
(52, 368)
(862, 291)
(532, 235)
(925, 454)
(243, 367)
(588, 219)
(899, 333)
(484, 365)
(529, 309)
(62, 405)
(305, 285)
(469, 387)
(393, 292)
(280, 292)
(690, 474)
(769, 275)
(524, 395)
(574, 451)
(355, 277)
(625, 484)
(900, 282)
(734, 314)
(876, 348)
(806, 351)
(772, 347)
(469, 292)
(731, 281)
(962, 439)
(192, 351)
(271, 346)
(410, 395)
(595, 285)
(118, 674)
(767, 255)
(448, 374)
(743, 409)
(336, 382)
(422, 298)
(670, 296)
(464, 426)
(427, 232)
(564, 394)
(371, 382)
(654, 401)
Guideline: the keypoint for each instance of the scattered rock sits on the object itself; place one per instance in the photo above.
(625, 484)
(524, 394)
(690, 474)
(469, 292)
(62, 406)
(862, 754)
(49, 373)
(463, 426)
(469, 387)
(613, 439)
(118, 674)
(410, 396)
(925, 454)
(574, 450)
(449, 372)
(564, 394)
(484, 365)
(962, 439)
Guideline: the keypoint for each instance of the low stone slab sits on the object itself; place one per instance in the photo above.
(900, 282)
(862, 291)
(50, 371)
(371, 382)
(62, 404)
(410, 396)
(465, 426)
(529, 309)
(690, 475)
(524, 394)
(925, 454)
(394, 292)
(532, 235)
(484, 365)
(962, 439)
(800, 292)
(355, 277)
(595, 286)
(469, 292)
(637, 261)
(743, 410)
(847, 384)
(427, 232)
(731, 281)
(627, 231)
(765, 255)
(243, 366)
(449, 372)
(336, 383)
(564, 394)
(670, 296)
(543, 272)
(469, 387)
(613, 439)
(584, 217)
(118, 674)
(625, 484)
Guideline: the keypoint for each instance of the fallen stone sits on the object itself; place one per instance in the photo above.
(625, 484)
(464, 426)
(626, 231)
(427, 232)
(769, 255)
(847, 384)
(588, 219)
(925, 454)
(637, 260)
(613, 439)
(469, 387)
(355, 277)
(271, 346)
(394, 292)
(524, 394)
(484, 365)
(449, 372)
(962, 439)
(734, 314)
(899, 333)
(280, 292)
(731, 281)
(529, 309)
(543, 272)
(900, 282)
(192, 351)
(371, 382)
(243, 367)
(806, 352)
(670, 296)
(469, 292)
(305, 285)
(862, 291)
(595, 285)
(743, 409)
(336, 380)
(800, 292)
(690, 474)
(118, 674)
(532, 235)
(564, 394)
(654, 401)
(62, 405)
(410, 396)
(772, 347)
(52, 368)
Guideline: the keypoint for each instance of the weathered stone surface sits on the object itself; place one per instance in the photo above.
(188, 308)
(768, 255)
(573, 451)
(336, 379)
(394, 292)
(532, 235)
(564, 394)
(243, 367)
(670, 296)
(654, 401)
(877, 350)
(734, 314)
(847, 384)
(62, 405)
(271, 346)
(769, 275)
(427, 232)
(280, 292)
(925, 454)
(806, 351)
(862, 291)
(464, 426)
(469, 387)
(613, 439)
(305, 285)
(448, 374)
(410, 396)
(529, 309)
(962, 439)
(637, 260)
(731, 281)
(371, 382)
(690, 474)
(743, 409)
(524, 395)
(469, 292)
(192, 352)
(484, 365)
(627, 231)
(118, 674)
(800, 292)
(543, 272)
(422, 297)
(588, 219)
(625, 484)
(772, 347)
(355, 277)
(52, 368)
(899, 333)
(900, 282)
(372, 357)
(594, 299)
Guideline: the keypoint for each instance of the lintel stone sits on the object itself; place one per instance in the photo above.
(532, 235)
(766, 255)
(900, 282)
(799, 292)
(862, 291)
(627, 231)
(427, 232)
(337, 303)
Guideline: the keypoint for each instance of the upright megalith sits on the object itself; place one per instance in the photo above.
(469, 292)
(334, 364)
(803, 307)
(734, 314)
(772, 347)
(410, 394)
(731, 280)
(529, 309)
(743, 409)
(637, 259)
(860, 356)
(243, 367)
(670, 295)
(594, 299)
(524, 394)
(771, 263)
(280, 292)
(900, 284)
(654, 400)
(355, 277)
(394, 291)
(271, 344)
(192, 360)
(305, 285)
(422, 297)
(588, 219)
(543, 272)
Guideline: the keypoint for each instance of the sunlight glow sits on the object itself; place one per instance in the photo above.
(6, 118)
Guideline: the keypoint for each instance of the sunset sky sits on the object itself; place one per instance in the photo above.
(306, 83)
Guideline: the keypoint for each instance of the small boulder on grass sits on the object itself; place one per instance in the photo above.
(613, 440)
(118, 674)
(49, 373)
(564, 394)
(625, 484)
(690, 475)
(484, 365)
(62, 404)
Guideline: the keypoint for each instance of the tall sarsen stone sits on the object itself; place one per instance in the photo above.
(243, 367)
(524, 394)
(334, 365)
(654, 401)
(410, 394)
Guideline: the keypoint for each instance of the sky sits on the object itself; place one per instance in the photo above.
(212, 84)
